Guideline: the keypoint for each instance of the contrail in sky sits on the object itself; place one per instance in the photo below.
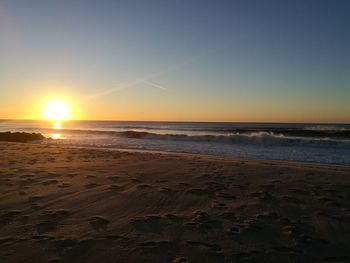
(146, 79)
(122, 87)
(154, 85)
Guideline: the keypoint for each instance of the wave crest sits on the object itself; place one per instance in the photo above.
(254, 138)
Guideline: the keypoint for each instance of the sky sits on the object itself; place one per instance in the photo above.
(183, 60)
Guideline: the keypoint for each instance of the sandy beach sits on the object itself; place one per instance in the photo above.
(81, 205)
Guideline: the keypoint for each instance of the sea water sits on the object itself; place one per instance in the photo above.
(315, 143)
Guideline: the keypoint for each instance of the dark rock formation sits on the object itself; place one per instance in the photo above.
(20, 136)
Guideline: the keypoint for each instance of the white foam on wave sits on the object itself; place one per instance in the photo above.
(326, 128)
(255, 138)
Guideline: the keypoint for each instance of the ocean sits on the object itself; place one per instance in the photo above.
(311, 143)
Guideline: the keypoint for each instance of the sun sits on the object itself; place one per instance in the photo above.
(57, 110)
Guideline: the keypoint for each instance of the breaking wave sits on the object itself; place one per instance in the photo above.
(262, 138)
(255, 138)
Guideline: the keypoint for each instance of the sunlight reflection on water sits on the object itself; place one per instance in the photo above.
(56, 126)
(56, 136)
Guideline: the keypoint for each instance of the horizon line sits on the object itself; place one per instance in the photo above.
(178, 121)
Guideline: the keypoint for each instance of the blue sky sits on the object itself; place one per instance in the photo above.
(178, 60)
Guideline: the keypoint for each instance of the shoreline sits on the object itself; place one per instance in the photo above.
(250, 143)
(196, 155)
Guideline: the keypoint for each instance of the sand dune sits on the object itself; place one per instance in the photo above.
(78, 205)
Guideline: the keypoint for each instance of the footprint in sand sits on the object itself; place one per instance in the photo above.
(202, 221)
(99, 223)
(34, 198)
(91, 185)
(115, 187)
(161, 181)
(252, 225)
(64, 185)
(291, 199)
(55, 215)
(143, 186)
(233, 231)
(337, 259)
(182, 184)
(291, 230)
(226, 196)
(268, 186)
(205, 176)
(48, 182)
(228, 215)
(299, 191)
(212, 251)
(65, 243)
(115, 237)
(51, 159)
(155, 245)
(166, 190)
(151, 223)
(9, 216)
(180, 260)
(113, 178)
(72, 174)
(215, 186)
(35, 206)
(25, 181)
(46, 226)
(218, 206)
(33, 161)
(24, 219)
(174, 218)
(197, 191)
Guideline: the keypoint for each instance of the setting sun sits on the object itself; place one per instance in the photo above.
(57, 110)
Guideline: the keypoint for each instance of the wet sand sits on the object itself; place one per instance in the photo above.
(82, 205)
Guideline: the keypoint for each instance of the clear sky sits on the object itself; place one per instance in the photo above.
(181, 60)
